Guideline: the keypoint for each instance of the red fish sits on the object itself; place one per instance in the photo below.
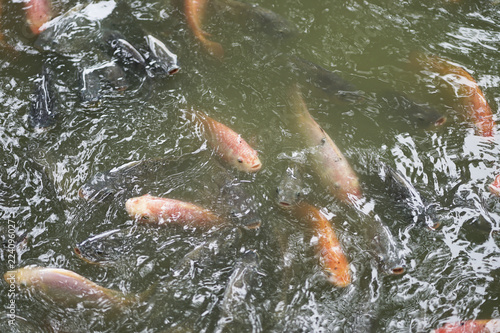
(165, 211)
(327, 160)
(229, 145)
(38, 12)
(194, 10)
(478, 108)
(332, 256)
(471, 326)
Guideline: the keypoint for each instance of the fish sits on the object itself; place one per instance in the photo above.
(332, 84)
(465, 87)
(332, 257)
(234, 305)
(165, 211)
(228, 144)
(243, 208)
(38, 12)
(403, 190)
(66, 288)
(43, 111)
(90, 86)
(421, 115)
(194, 11)
(289, 190)
(327, 161)
(471, 326)
(495, 186)
(259, 17)
(104, 248)
(161, 58)
(122, 49)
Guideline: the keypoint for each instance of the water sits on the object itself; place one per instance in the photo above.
(452, 273)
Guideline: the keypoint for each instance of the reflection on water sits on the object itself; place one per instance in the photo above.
(136, 141)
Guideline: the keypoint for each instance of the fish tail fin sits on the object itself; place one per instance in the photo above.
(214, 48)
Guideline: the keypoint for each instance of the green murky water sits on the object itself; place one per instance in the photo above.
(452, 273)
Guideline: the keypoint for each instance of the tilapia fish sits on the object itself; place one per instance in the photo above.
(234, 302)
(243, 209)
(332, 257)
(404, 191)
(228, 144)
(38, 12)
(331, 83)
(471, 326)
(165, 211)
(257, 17)
(195, 11)
(161, 59)
(327, 161)
(43, 112)
(465, 87)
(104, 248)
(289, 190)
(66, 287)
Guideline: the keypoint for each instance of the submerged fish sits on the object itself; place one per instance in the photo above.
(466, 88)
(259, 17)
(43, 112)
(471, 326)
(38, 12)
(332, 84)
(243, 208)
(194, 11)
(104, 248)
(122, 49)
(332, 257)
(401, 187)
(91, 78)
(66, 288)
(234, 302)
(290, 187)
(228, 144)
(164, 211)
(326, 159)
(161, 59)
(421, 115)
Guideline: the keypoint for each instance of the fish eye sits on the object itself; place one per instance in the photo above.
(240, 160)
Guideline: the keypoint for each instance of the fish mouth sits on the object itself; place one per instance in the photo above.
(398, 270)
(440, 121)
(284, 204)
(173, 70)
(256, 167)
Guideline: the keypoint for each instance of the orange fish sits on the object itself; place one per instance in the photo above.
(332, 256)
(229, 145)
(471, 326)
(194, 10)
(163, 211)
(478, 108)
(38, 12)
(327, 160)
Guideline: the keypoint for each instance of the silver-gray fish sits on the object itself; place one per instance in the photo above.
(43, 112)
(161, 59)
(122, 49)
(105, 248)
(235, 305)
(331, 83)
(404, 191)
(290, 188)
(243, 209)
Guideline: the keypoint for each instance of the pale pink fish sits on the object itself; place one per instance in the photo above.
(38, 12)
(194, 11)
(164, 211)
(65, 287)
(328, 162)
(228, 144)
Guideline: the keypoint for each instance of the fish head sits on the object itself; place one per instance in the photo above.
(289, 190)
(97, 189)
(248, 161)
(22, 277)
(161, 58)
(101, 248)
(391, 265)
(138, 208)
